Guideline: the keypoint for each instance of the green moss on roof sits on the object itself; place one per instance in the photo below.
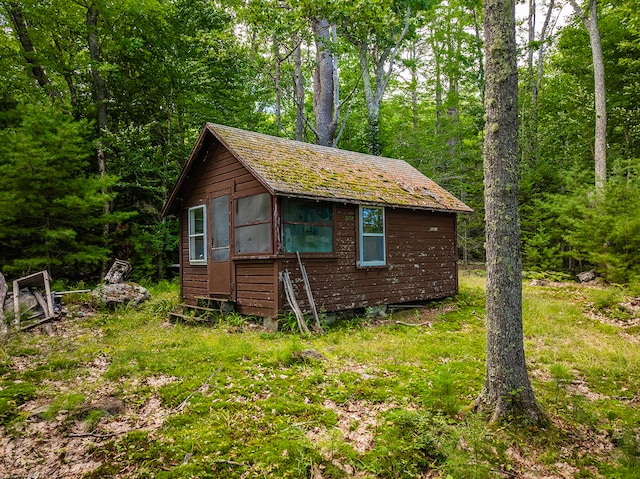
(294, 168)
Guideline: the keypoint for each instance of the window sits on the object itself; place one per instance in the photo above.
(252, 221)
(308, 226)
(372, 248)
(197, 235)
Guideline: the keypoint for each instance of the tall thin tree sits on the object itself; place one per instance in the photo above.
(507, 390)
(600, 143)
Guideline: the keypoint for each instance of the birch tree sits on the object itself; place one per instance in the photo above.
(590, 22)
(377, 33)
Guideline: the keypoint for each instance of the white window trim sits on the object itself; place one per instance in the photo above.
(193, 235)
(362, 262)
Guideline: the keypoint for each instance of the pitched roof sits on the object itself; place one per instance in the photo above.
(292, 168)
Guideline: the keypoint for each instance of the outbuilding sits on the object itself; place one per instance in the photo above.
(369, 230)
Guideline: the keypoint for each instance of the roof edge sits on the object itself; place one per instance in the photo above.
(354, 201)
(169, 205)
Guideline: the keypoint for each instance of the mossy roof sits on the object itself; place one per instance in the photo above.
(293, 168)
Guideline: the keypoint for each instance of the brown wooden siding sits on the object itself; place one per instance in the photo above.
(193, 278)
(256, 287)
(421, 262)
(220, 170)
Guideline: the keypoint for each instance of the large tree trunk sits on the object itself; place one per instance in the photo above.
(600, 147)
(371, 96)
(601, 102)
(323, 85)
(507, 390)
(99, 86)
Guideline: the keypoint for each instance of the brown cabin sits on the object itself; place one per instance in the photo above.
(370, 231)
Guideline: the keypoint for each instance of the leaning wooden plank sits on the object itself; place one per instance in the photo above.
(291, 299)
(47, 291)
(35, 324)
(43, 304)
(16, 304)
(3, 294)
(307, 286)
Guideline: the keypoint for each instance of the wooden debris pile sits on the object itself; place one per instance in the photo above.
(32, 303)
(29, 304)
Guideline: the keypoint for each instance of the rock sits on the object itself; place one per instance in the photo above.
(120, 294)
(587, 276)
(308, 354)
(110, 405)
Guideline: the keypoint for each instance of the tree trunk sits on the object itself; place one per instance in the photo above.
(370, 95)
(299, 94)
(507, 391)
(414, 87)
(600, 147)
(35, 68)
(99, 86)
(438, 159)
(323, 87)
(601, 102)
(278, 81)
(374, 93)
(100, 101)
(479, 42)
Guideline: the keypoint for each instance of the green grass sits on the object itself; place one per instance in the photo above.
(388, 402)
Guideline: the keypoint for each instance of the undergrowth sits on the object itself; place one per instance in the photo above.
(381, 399)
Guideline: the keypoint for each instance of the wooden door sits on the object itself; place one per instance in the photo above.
(219, 263)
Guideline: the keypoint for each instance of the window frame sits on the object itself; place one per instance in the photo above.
(193, 236)
(362, 234)
(236, 227)
(331, 224)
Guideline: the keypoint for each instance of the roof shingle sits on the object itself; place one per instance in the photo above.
(293, 168)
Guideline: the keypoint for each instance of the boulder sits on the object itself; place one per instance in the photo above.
(120, 294)
(587, 276)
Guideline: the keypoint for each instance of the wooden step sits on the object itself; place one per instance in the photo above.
(175, 316)
(225, 305)
(198, 308)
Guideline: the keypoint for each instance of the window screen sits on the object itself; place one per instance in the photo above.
(308, 226)
(252, 232)
(220, 228)
(372, 247)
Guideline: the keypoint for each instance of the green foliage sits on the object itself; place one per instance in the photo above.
(51, 206)
(12, 395)
(596, 230)
(63, 403)
(411, 442)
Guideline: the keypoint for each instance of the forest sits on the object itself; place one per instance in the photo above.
(101, 102)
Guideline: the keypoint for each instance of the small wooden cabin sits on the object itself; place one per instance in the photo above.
(370, 230)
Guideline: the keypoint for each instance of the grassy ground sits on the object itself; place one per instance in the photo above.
(126, 394)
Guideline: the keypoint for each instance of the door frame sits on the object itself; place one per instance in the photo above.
(224, 267)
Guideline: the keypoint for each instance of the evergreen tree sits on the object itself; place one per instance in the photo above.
(51, 208)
